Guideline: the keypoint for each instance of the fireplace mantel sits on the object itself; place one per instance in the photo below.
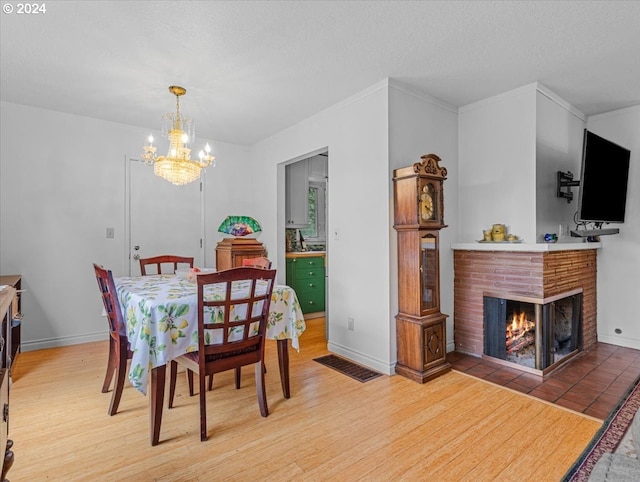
(525, 247)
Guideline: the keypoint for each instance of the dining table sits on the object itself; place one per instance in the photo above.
(161, 315)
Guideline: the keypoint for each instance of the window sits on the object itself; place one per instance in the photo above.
(316, 229)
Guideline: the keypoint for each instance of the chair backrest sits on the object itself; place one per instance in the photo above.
(171, 262)
(110, 301)
(258, 262)
(234, 321)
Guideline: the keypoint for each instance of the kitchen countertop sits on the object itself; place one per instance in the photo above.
(304, 254)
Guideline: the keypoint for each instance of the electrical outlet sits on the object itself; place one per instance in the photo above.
(350, 324)
(110, 233)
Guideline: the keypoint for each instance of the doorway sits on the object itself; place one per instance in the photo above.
(306, 240)
(161, 218)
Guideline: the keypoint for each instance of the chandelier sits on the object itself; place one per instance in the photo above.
(177, 167)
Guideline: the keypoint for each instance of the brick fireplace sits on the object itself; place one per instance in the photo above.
(535, 273)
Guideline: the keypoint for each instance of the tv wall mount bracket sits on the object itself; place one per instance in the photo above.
(564, 184)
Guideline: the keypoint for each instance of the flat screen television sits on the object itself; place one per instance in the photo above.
(603, 180)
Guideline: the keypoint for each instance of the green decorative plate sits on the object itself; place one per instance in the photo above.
(239, 226)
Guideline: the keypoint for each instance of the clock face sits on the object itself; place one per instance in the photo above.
(427, 205)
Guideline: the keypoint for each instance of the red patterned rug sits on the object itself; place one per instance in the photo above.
(608, 437)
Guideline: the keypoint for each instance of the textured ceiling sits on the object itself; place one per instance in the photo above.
(252, 68)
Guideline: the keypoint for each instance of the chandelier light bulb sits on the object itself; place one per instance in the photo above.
(207, 148)
(185, 138)
(150, 139)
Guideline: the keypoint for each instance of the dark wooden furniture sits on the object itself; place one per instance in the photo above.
(418, 219)
(166, 259)
(282, 312)
(230, 252)
(259, 262)
(8, 301)
(6, 460)
(119, 352)
(238, 318)
(13, 322)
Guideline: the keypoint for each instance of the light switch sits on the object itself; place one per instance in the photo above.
(110, 232)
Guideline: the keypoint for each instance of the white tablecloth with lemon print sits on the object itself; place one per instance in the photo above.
(162, 321)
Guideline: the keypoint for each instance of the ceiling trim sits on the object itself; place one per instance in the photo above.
(548, 93)
(398, 85)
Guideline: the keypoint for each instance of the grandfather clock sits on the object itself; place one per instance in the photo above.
(418, 218)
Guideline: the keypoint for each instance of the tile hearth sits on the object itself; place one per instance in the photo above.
(592, 383)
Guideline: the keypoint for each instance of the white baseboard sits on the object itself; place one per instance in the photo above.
(619, 341)
(362, 359)
(63, 341)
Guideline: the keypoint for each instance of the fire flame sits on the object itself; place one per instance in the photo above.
(518, 328)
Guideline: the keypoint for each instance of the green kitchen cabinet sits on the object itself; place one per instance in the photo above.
(306, 275)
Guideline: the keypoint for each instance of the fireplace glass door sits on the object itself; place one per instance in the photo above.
(532, 335)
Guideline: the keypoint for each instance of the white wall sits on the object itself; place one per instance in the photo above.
(227, 193)
(62, 183)
(559, 132)
(367, 136)
(490, 134)
(355, 132)
(421, 125)
(497, 165)
(619, 258)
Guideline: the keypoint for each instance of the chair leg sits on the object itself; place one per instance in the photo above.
(203, 407)
(173, 375)
(121, 373)
(260, 389)
(111, 366)
(190, 382)
(211, 382)
(238, 376)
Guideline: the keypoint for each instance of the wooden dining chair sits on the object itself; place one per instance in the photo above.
(238, 323)
(119, 352)
(258, 262)
(165, 259)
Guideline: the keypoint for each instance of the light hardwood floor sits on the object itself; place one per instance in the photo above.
(332, 428)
